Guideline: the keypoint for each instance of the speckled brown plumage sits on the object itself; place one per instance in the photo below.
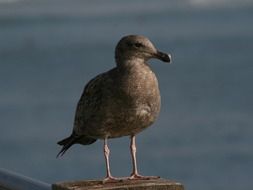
(122, 101)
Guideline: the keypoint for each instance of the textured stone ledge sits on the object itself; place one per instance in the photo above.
(157, 184)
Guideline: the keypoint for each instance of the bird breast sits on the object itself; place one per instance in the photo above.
(128, 105)
(140, 90)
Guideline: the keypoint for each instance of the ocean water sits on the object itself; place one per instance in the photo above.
(204, 136)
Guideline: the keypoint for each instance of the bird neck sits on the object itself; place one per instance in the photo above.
(133, 67)
(130, 62)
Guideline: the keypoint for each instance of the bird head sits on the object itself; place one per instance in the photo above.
(138, 47)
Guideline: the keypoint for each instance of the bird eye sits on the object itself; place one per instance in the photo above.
(138, 45)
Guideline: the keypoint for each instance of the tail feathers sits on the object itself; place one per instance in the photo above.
(66, 143)
(73, 139)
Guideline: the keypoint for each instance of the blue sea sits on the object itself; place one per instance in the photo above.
(203, 138)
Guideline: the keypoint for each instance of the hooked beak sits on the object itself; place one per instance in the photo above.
(163, 56)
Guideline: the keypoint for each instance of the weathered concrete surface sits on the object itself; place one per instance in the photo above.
(157, 184)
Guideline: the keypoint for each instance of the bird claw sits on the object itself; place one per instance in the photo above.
(111, 179)
(138, 176)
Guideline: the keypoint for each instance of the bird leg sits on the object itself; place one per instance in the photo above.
(135, 174)
(133, 155)
(108, 177)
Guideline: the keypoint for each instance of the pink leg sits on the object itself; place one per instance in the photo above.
(135, 174)
(108, 177)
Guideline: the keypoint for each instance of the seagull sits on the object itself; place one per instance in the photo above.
(120, 102)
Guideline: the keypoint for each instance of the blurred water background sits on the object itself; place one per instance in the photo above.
(49, 49)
